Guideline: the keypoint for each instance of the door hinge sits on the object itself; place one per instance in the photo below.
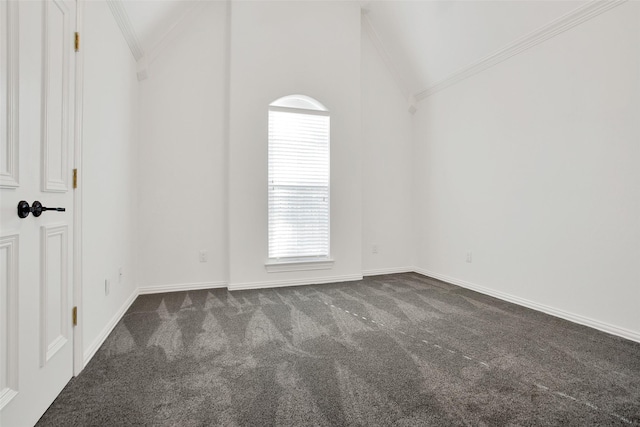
(77, 41)
(74, 316)
(75, 178)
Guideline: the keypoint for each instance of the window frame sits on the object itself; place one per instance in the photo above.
(300, 263)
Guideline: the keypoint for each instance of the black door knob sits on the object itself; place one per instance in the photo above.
(24, 210)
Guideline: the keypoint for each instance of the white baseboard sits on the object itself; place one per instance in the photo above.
(390, 270)
(582, 320)
(160, 289)
(157, 289)
(95, 345)
(294, 282)
(575, 318)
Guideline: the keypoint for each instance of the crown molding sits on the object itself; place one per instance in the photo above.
(387, 59)
(558, 26)
(121, 17)
(176, 28)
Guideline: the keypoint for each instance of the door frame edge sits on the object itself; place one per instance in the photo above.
(78, 357)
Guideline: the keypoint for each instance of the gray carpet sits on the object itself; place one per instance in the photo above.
(398, 349)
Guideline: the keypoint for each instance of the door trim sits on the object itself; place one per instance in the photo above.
(78, 359)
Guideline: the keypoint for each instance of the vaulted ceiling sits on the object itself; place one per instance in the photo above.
(423, 41)
(430, 40)
(152, 19)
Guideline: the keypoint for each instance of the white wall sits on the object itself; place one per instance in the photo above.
(530, 167)
(278, 49)
(183, 116)
(387, 168)
(533, 166)
(109, 177)
(182, 161)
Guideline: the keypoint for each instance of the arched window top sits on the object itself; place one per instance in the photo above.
(300, 102)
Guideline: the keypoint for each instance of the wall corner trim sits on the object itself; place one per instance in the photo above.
(575, 318)
(101, 338)
(577, 16)
(142, 69)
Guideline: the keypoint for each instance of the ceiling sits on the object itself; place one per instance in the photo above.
(426, 40)
(429, 40)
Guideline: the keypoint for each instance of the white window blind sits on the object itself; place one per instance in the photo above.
(298, 183)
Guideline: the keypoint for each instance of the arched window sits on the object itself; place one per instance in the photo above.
(298, 179)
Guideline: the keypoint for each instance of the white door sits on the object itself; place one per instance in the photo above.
(37, 80)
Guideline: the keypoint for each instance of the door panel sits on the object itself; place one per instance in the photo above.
(9, 320)
(54, 291)
(36, 344)
(8, 94)
(55, 100)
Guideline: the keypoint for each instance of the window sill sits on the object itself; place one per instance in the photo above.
(274, 266)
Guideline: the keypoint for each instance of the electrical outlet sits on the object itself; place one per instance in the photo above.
(203, 256)
(469, 257)
(107, 287)
(374, 248)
